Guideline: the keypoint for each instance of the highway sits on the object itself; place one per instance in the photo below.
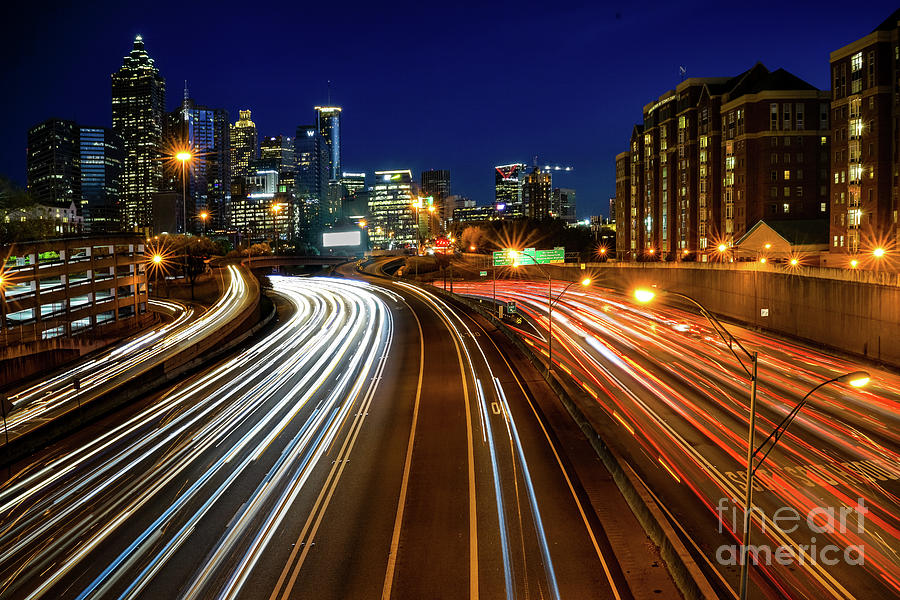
(186, 495)
(65, 391)
(671, 399)
(374, 444)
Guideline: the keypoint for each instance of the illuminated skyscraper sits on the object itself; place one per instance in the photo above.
(101, 173)
(508, 189)
(205, 132)
(138, 108)
(563, 205)
(436, 183)
(311, 153)
(329, 124)
(537, 194)
(53, 162)
(392, 219)
(277, 153)
(244, 144)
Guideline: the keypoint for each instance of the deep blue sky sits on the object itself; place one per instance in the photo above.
(458, 85)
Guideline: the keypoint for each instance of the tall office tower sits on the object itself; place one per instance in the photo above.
(537, 192)
(436, 183)
(353, 182)
(312, 156)
(508, 190)
(278, 154)
(329, 125)
(563, 205)
(392, 219)
(244, 145)
(54, 174)
(865, 191)
(205, 132)
(138, 109)
(101, 178)
(353, 186)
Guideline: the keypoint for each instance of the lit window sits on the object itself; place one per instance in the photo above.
(787, 175)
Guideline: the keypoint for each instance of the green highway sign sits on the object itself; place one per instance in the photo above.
(483, 273)
(557, 255)
(531, 256)
(502, 259)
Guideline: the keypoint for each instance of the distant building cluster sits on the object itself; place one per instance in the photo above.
(715, 156)
(193, 170)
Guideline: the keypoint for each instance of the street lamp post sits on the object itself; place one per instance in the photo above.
(856, 379)
(644, 296)
(203, 217)
(184, 157)
(550, 302)
(275, 209)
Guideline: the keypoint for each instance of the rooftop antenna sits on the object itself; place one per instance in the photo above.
(329, 92)
(682, 71)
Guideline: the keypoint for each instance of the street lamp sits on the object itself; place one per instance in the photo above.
(878, 252)
(184, 157)
(644, 296)
(203, 217)
(550, 301)
(275, 208)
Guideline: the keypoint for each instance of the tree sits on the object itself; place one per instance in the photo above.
(472, 237)
(192, 255)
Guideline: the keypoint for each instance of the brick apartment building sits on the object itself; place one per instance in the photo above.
(865, 166)
(715, 155)
(620, 211)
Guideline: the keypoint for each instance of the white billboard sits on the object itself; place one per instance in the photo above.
(343, 238)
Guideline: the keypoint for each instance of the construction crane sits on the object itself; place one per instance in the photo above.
(550, 168)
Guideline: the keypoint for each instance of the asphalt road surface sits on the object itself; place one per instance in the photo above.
(374, 444)
(671, 398)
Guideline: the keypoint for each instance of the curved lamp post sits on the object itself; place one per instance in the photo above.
(856, 379)
(184, 157)
(550, 301)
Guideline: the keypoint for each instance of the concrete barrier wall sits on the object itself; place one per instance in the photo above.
(854, 312)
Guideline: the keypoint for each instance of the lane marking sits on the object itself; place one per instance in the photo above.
(404, 484)
(581, 510)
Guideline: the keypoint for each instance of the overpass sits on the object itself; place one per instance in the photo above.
(263, 262)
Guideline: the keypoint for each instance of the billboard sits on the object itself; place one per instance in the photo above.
(343, 238)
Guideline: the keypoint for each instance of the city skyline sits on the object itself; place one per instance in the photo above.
(443, 124)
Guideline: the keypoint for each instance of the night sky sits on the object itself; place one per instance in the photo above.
(455, 85)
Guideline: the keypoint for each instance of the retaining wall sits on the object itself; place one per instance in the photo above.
(854, 312)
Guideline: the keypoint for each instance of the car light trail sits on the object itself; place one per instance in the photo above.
(58, 395)
(664, 373)
(278, 404)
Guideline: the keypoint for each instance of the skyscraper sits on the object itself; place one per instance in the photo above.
(277, 153)
(205, 131)
(392, 220)
(100, 153)
(329, 125)
(138, 108)
(436, 183)
(244, 145)
(563, 205)
(53, 167)
(311, 153)
(537, 194)
(508, 189)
